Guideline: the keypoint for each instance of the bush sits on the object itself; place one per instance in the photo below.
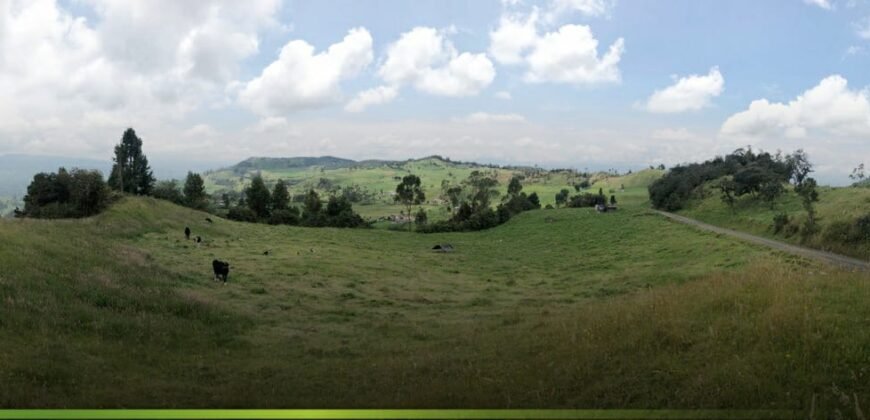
(289, 216)
(861, 228)
(779, 222)
(839, 231)
(169, 191)
(586, 200)
(242, 214)
(853, 232)
(421, 218)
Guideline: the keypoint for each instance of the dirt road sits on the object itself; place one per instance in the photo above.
(848, 263)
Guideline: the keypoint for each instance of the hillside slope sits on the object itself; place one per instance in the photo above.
(559, 308)
(836, 206)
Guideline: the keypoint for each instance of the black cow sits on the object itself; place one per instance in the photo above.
(187, 233)
(221, 270)
(208, 219)
(198, 239)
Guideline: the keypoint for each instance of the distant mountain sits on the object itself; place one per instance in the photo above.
(17, 170)
(277, 164)
(332, 162)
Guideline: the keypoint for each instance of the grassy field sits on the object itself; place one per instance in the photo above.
(556, 308)
(754, 216)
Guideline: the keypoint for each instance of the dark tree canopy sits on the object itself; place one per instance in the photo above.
(194, 192)
(131, 173)
(758, 174)
(258, 197)
(76, 193)
(562, 197)
(311, 206)
(482, 189)
(515, 185)
(280, 196)
(410, 193)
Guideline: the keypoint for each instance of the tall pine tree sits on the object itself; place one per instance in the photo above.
(131, 173)
(194, 192)
(259, 198)
(280, 196)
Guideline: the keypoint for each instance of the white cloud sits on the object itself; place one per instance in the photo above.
(824, 4)
(829, 108)
(424, 58)
(689, 93)
(503, 95)
(375, 96)
(200, 130)
(205, 40)
(862, 28)
(513, 37)
(299, 78)
(70, 85)
(592, 8)
(570, 55)
(483, 117)
(675, 134)
(854, 50)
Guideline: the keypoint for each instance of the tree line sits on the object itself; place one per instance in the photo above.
(260, 205)
(761, 176)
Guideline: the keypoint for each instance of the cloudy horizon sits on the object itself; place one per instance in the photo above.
(568, 83)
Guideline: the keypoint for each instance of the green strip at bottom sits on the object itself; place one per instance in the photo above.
(396, 414)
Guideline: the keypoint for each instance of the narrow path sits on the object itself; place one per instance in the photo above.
(845, 262)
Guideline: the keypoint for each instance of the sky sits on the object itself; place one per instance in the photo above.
(600, 84)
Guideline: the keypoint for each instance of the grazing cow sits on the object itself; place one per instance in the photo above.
(208, 219)
(266, 252)
(186, 233)
(221, 270)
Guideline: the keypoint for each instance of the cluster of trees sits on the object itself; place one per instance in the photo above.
(83, 193)
(65, 194)
(260, 205)
(470, 203)
(761, 176)
(192, 195)
(740, 173)
(563, 198)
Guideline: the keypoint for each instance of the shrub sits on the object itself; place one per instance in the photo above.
(586, 200)
(779, 222)
(838, 231)
(169, 191)
(288, 216)
(242, 214)
(861, 228)
(421, 218)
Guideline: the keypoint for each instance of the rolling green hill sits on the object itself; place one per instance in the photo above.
(375, 180)
(556, 308)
